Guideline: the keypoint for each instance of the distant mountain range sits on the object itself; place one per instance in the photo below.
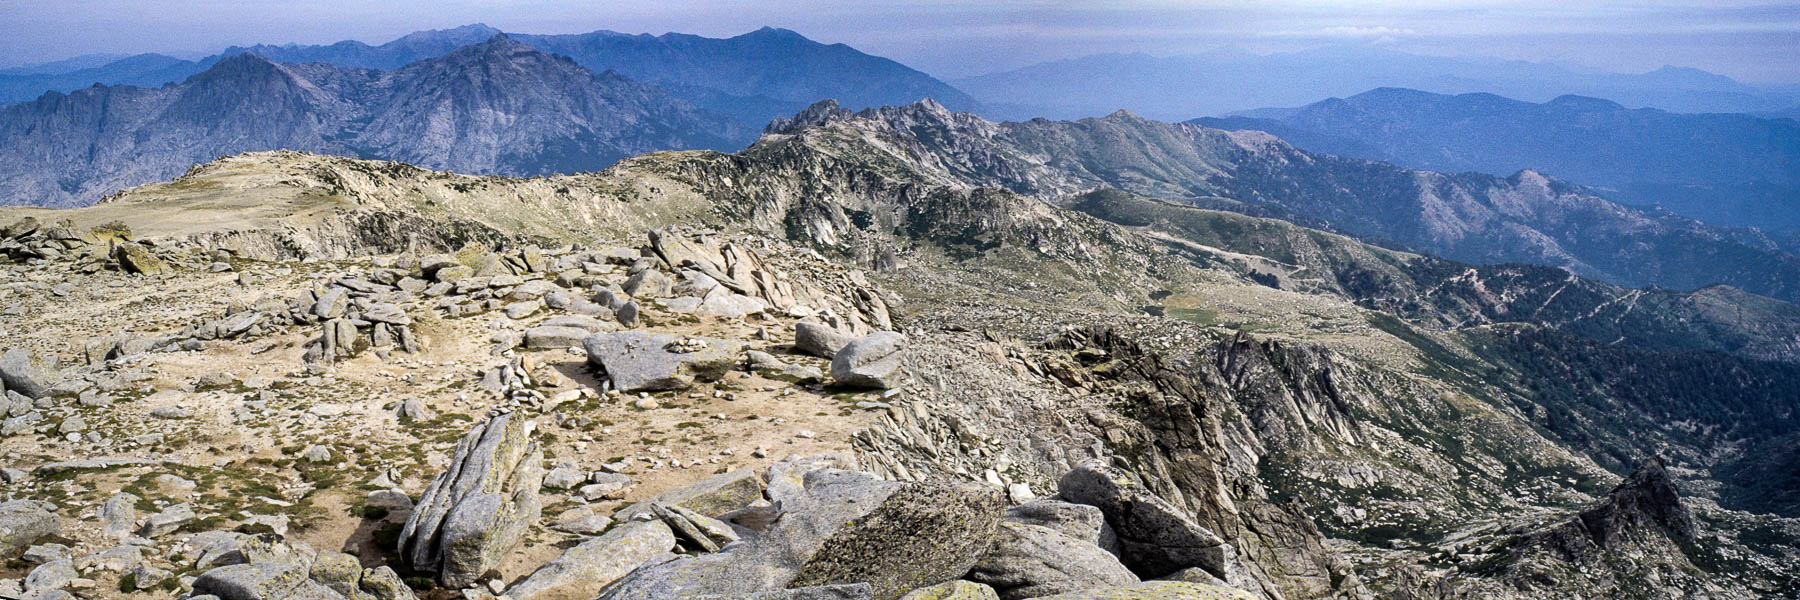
(1471, 217)
(752, 78)
(757, 76)
(1224, 81)
(496, 107)
(1730, 169)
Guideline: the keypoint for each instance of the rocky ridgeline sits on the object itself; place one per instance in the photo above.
(107, 247)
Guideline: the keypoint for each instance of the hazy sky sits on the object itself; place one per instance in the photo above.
(1756, 41)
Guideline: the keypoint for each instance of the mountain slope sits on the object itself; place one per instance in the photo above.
(754, 77)
(1526, 218)
(1724, 168)
(154, 70)
(407, 49)
(1219, 82)
(497, 107)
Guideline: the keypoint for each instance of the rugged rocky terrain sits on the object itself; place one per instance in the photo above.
(1527, 217)
(834, 366)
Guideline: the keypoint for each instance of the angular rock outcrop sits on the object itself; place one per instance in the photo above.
(819, 339)
(1645, 505)
(598, 561)
(1155, 538)
(1157, 590)
(954, 590)
(27, 374)
(923, 534)
(712, 497)
(838, 528)
(23, 522)
(1029, 561)
(473, 514)
(639, 361)
(871, 361)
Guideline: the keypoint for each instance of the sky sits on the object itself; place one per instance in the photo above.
(1756, 41)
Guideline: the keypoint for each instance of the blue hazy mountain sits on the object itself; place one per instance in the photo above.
(496, 107)
(75, 63)
(752, 78)
(1223, 81)
(1731, 169)
(757, 76)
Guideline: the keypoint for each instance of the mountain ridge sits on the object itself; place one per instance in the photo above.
(1220, 82)
(499, 106)
(1470, 217)
(752, 77)
(1727, 169)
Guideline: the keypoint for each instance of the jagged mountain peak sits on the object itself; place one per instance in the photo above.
(1646, 498)
(1123, 115)
(241, 64)
(819, 113)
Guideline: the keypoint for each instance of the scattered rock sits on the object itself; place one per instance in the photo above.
(390, 499)
(548, 337)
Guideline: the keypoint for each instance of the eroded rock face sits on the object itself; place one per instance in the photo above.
(1155, 538)
(819, 339)
(1643, 507)
(1157, 590)
(23, 522)
(27, 374)
(839, 528)
(598, 561)
(871, 361)
(640, 361)
(1029, 561)
(473, 514)
(923, 534)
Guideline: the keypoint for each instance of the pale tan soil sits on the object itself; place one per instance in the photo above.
(239, 457)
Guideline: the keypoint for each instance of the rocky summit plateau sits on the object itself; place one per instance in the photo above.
(904, 353)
